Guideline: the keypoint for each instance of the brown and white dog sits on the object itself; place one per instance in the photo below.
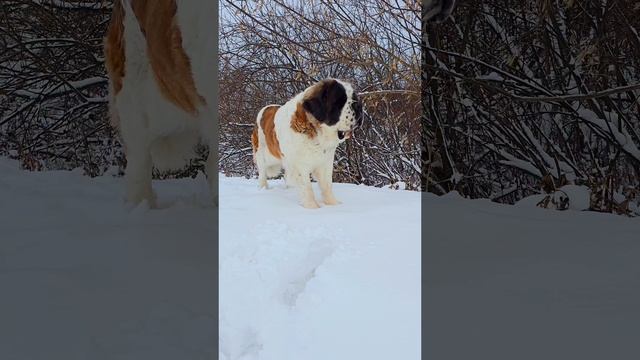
(160, 56)
(302, 135)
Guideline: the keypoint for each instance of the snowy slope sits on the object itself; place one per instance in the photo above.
(519, 282)
(339, 282)
(84, 277)
(81, 277)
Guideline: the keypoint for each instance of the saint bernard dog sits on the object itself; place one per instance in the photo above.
(160, 56)
(302, 135)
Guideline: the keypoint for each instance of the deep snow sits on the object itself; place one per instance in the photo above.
(82, 277)
(339, 282)
(520, 282)
(85, 277)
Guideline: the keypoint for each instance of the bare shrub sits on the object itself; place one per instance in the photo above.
(53, 86)
(271, 50)
(516, 91)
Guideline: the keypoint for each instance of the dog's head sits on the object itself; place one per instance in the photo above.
(334, 104)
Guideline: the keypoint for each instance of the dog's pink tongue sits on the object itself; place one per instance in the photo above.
(347, 135)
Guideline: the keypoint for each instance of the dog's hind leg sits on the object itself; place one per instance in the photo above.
(138, 173)
(262, 170)
(262, 180)
(137, 147)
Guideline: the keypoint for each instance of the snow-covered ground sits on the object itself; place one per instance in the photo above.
(520, 282)
(339, 282)
(82, 277)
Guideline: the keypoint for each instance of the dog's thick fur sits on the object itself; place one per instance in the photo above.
(161, 61)
(302, 135)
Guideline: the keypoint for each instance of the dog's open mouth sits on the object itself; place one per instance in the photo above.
(344, 135)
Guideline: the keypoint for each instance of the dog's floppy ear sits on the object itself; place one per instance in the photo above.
(325, 101)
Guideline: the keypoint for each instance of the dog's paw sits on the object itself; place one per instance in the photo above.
(311, 204)
(147, 199)
(332, 201)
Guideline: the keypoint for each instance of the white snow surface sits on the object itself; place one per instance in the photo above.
(521, 282)
(83, 277)
(579, 198)
(339, 282)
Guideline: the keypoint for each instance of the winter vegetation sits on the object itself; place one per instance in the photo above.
(84, 278)
(272, 50)
(53, 86)
(139, 284)
(524, 98)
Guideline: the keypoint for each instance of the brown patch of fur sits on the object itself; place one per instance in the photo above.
(269, 129)
(114, 47)
(302, 123)
(170, 64)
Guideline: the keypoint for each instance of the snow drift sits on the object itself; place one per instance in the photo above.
(339, 282)
(84, 277)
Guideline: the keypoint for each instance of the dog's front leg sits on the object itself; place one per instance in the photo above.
(289, 179)
(305, 191)
(324, 175)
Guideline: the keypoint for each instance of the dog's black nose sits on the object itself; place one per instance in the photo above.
(340, 135)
